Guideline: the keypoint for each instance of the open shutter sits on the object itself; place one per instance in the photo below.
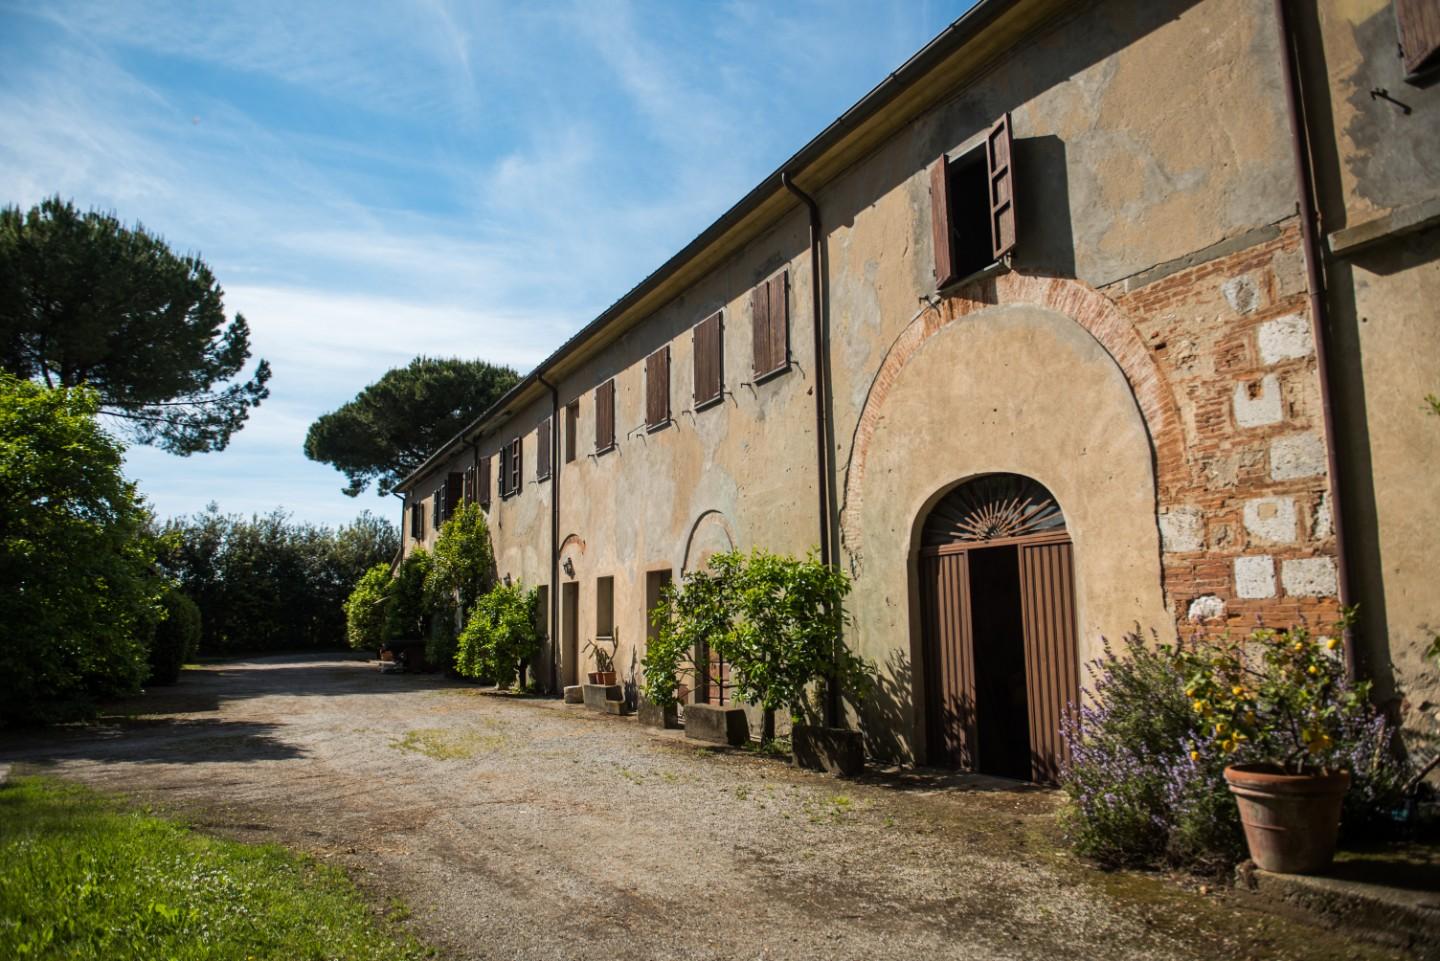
(517, 474)
(542, 450)
(1052, 670)
(504, 480)
(1002, 187)
(940, 221)
(437, 508)
(709, 360)
(482, 482)
(1418, 23)
(657, 388)
(572, 429)
(760, 329)
(951, 734)
(605, 416)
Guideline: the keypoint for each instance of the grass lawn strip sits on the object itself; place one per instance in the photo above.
(84, 877)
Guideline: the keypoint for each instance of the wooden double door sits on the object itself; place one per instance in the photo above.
(1001, 663)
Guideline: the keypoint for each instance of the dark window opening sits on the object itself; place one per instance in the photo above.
(970, 246)
(542, 450)
(572, 427)
(972, 207)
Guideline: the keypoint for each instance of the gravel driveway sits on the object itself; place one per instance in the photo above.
(533, 829)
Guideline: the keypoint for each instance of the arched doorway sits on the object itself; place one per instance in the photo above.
(997, 602)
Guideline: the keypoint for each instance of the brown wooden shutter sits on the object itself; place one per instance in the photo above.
(417, 521)
(572, 428)
(709, 360)
(542, 450)
(940, 221)
(1418, 23)
(605, 416)
(437, 508)
(657, 388)
(517, 474)
(779, 320)
(482, 482)
(760, 328)
(504, 479)
(1002, 187)
(949, 660)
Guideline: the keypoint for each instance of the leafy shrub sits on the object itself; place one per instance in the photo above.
(462, 569)
(776, 620)
(177, 638)
(268, 583)
(500, 636)
(407, 616)
(1145, 779)
(78, 600)
(365, 609)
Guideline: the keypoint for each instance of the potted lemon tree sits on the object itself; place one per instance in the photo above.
(1280, 702)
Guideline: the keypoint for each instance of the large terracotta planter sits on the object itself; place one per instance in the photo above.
(1291, 820)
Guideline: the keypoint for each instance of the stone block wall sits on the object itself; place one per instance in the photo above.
(1245, 514)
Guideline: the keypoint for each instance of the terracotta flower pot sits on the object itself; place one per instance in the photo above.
(604, 677)
(1291, 820)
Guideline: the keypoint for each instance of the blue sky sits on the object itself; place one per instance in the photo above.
(371, 181)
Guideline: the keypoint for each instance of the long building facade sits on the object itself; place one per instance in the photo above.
(1091, 317)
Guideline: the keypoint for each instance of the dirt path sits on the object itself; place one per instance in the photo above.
(532, 829)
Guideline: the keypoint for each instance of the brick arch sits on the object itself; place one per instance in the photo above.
(1080, 302)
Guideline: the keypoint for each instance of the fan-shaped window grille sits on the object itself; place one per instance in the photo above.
(992, 507)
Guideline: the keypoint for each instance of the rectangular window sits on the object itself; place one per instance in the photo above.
(507, 456)
(708, 340)
(437, 508)
(517, 477)
(770, 314)
(417, 522)
(542, 611)
(605, 607)
(542, 450)
(1419, 24)
(482, 481)
(972, 207)
(572, 430)
(469, 495)
(657, 389)
(454, 484)
(605, 417)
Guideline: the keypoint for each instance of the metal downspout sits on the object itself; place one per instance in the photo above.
(554, 627)
(822, 391)
(1319, 317)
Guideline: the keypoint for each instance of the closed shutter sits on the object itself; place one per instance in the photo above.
(468, 496)
(572, 428)
(505, 471)
(709, 361)
(417, 521)
(1002, 187)
(517, 474)
(657, 388)
(1418, 22)
(482, 482)
(605, 416)
(770, 316)
(940, 221)
(542, 450)
(454, 485)
(437, 508)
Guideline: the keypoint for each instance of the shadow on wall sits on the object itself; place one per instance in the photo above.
(1047, 243)
(889, 711)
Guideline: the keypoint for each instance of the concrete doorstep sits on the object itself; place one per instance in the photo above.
(1402, 912)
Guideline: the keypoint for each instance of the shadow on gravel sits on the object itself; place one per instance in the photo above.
(154, 741)
(928, 780)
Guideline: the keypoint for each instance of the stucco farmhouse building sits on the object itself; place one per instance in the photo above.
(1091, 315)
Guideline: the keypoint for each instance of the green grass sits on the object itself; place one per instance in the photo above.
(444, 744)
(82, 877)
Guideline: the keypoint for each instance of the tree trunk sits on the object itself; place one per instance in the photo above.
(767, 726)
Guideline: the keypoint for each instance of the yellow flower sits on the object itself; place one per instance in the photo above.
(1333, 643)
(1220, 728)
(1199, 706)
(1227, 745)
(1299, 646)
(1312, 669)
(1194, 755)
(1237, 690)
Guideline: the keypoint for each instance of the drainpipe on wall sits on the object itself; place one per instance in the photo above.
(400, 554)
(554, 532)
(822, 391)
(1319, 316)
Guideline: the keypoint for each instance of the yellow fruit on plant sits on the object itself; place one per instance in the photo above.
(1312, 669)
(1333, 643)
(1237, 690)
(1194, 755)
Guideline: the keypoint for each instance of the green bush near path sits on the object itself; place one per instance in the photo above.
(82, 877)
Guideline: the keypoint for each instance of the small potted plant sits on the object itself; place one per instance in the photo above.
(1279, 703)
(604, 672)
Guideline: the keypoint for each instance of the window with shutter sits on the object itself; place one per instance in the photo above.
(605, 417)
(972, 207)
(482, 482)
(437, 508)
(708, 341)
(517, 476)
(657, 389)
(770, 317)
(572, 429)
(454, 484)
(417, 522)
(542, 450)
(468, 496)
(505, 471)
(1418, 22)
